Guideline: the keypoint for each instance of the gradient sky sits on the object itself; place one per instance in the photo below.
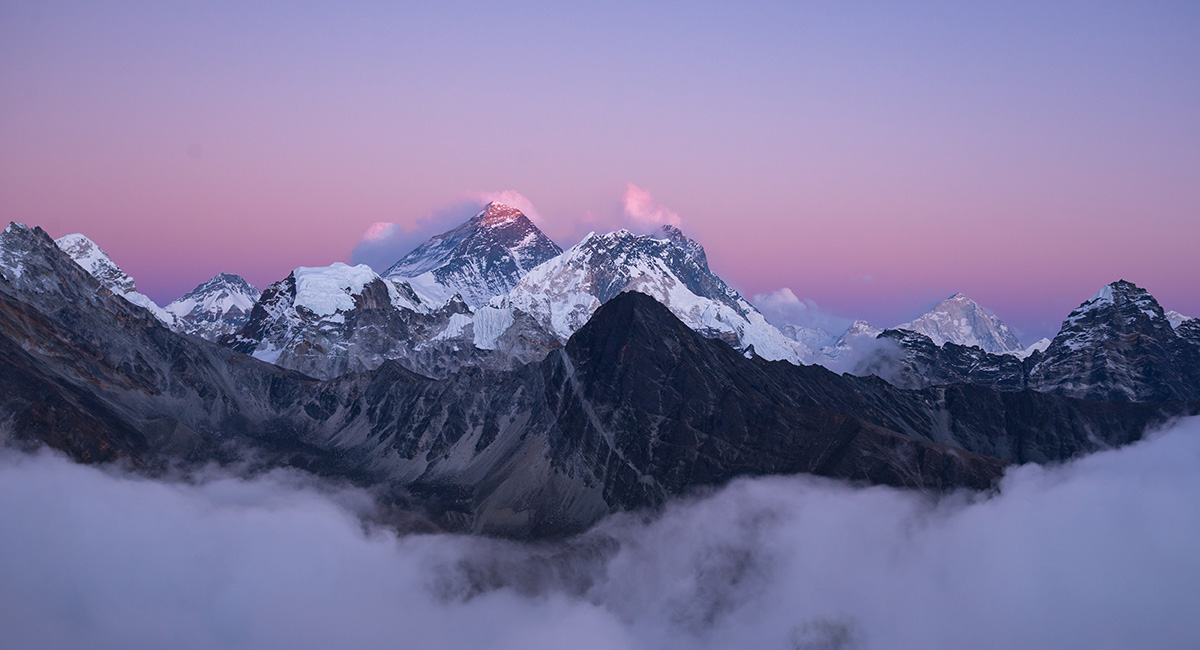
(872, 157)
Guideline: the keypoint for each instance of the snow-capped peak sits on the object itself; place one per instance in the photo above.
(482, 258)
(87, 254)
(960, 320)
(326, 290)
(1115, 308)
(216, 307)
(95, 261)
(1116, 295)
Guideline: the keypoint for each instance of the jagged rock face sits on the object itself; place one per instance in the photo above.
(216, 308)
(88, 372)
(925, 363)
(960, 320)
(1120, 346)
(483, 258)
(562, 294)
(327, 321)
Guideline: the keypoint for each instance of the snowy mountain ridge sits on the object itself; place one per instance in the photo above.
(563, 293)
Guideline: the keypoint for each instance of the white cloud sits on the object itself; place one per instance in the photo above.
(1096, 553)
(643, 209)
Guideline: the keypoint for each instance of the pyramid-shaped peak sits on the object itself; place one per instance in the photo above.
(1116, 293)
(223, 282)
(496, 213)
(960, 320)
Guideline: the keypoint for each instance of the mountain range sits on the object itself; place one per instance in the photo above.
(502, 385)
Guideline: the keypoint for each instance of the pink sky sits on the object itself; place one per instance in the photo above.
(872, 159)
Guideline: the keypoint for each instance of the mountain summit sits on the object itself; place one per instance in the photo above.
(1119, 345)
(216, 307)
(482, 258)
(960, 320)
(99, 265)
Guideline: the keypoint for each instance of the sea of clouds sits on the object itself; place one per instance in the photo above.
(1097, 553)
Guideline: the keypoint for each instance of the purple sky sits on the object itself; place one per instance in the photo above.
(872, 158)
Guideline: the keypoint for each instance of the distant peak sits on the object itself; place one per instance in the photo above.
(1113, 291)
(958, 295)
(495, 213)
(221, 281)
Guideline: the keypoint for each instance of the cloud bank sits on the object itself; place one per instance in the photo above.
(1097, 553)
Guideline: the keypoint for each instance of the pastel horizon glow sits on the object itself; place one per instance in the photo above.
(872, 159)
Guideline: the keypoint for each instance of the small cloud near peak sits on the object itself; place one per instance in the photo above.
(643, 209)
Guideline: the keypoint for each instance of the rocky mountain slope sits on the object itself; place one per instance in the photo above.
(635, 408)
(328, 321)
(543, 309)
(1117, 346)
(88, 255)
(1120, 346)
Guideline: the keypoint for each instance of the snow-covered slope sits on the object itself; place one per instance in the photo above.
(960, 320)
(327, 321)
(482, 258)
(1176, 319)
(1037, 346)
(310, 320)
(563, 293)
(215, 308)
(87, 254)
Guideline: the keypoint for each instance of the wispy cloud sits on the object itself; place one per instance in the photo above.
(782, 306)
(1099, 552)
(641, 207)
